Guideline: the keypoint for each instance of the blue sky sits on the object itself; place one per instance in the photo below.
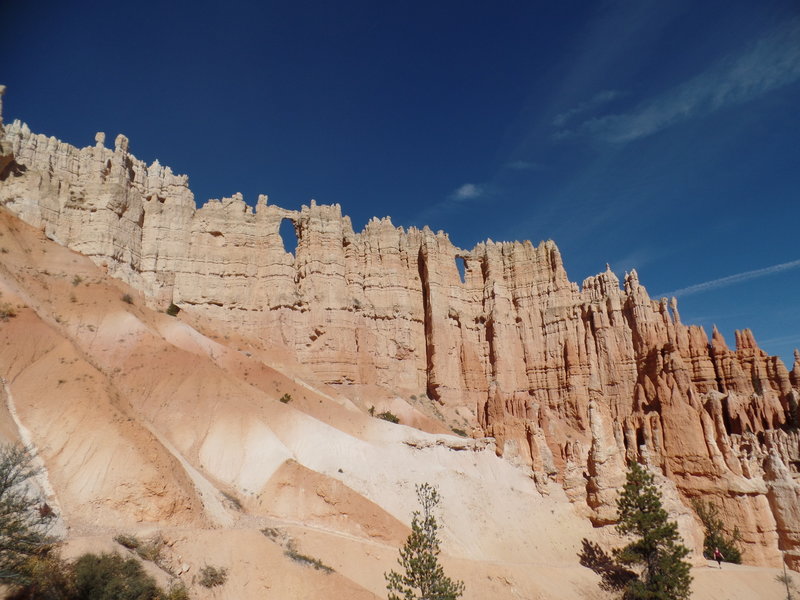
(657, 135)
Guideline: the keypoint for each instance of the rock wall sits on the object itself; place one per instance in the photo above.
(571, 381)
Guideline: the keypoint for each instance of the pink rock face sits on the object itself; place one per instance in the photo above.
(571, 381)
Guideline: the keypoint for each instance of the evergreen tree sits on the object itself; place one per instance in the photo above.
(423, 577)
(715, 537)
(657, 547)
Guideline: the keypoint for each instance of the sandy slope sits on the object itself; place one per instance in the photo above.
(148, 424)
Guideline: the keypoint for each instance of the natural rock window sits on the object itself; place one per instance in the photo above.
(288, 236)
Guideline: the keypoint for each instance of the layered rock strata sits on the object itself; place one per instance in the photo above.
(572, 381)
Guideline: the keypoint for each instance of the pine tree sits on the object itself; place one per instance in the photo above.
(423, 577)
(715, 537)
(657, 547)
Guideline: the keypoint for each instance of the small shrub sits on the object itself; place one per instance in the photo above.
(232, 500)
(213, 576)
(371, 411)
(177, 591)
(388, 416)
(4, 250)
(173, 310)
(304, 559)
(77, 280)
(151, 551)
(272, 533)
(127, 299)
(286, 398)
(131, 542)
(460, 432)
(7, 311)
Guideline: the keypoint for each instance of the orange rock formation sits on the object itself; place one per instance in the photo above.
(571, 381)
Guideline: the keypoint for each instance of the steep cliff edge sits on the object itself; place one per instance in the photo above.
(571, 381)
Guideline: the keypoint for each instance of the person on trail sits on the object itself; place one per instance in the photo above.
(718, 557)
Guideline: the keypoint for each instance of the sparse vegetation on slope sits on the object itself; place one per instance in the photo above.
(213, 576)
(304, 559)
(7, 311)
(388, 416)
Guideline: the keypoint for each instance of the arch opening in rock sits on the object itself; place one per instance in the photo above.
(461, 265)
(288, 236)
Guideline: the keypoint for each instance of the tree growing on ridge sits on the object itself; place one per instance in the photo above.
(423, 577)
(657, 547)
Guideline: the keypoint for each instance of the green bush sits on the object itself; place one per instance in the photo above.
(286, 398)
(304, 559)
(272, 533)
(213, 576)
(7, 311)
(460, 432)
(151, 550)
(131, 542)
(173, 310)
(77, 280)
(177, 591)
(112, 577)
(715, 536)
(127, 299)
(388, 416)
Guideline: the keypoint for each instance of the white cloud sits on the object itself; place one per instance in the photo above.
(597, 100)
(468, 191)
(731, 279)
(769, 64)
(524, 165)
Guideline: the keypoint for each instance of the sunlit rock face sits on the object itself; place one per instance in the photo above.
(572, 381)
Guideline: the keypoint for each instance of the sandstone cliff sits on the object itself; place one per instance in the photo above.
(571, 381)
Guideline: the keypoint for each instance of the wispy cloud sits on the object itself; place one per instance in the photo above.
(593, 103)
(731, 279)
(769, 64)
(468, 191)
(460, 199)
(524, 165)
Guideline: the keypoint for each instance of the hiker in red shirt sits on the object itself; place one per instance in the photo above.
(718, 557)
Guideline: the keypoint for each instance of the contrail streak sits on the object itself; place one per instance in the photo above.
(731, 279)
